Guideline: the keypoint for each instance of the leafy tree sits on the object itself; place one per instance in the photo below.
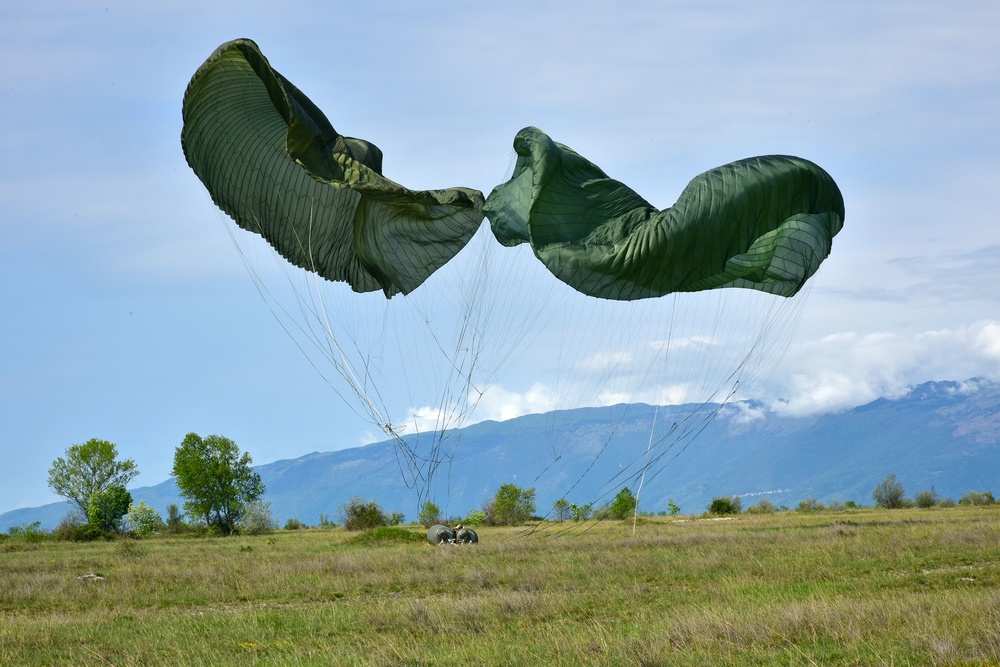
(673, 509)
(889, 494)
(511, 505)
(561, 509)
(623, 505)
(215, 480)
(175, 519)
(725, 505)
(257, 518)
(142, 520)
(580, 512)
(88, 468)
(430, 514)
(108, 506)
(476, 518)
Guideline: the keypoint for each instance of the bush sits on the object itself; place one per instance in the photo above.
(475, 518)
(257, 519)
(724, 505)
(809, 505)
(294, 524)
(430, 514)
(68, 526)
(88, 532)
(889, 494)
(673, 509)
(925, 499)
(360, 514)
(325, 522)
(976, 498)
(141, 520)
(762, 506)
(28, 532)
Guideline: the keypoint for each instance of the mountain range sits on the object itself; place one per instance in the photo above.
(943, 436)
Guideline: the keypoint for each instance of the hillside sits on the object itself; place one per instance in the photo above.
(944, 435)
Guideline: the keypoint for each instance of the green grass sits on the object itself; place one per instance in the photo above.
(902, 587)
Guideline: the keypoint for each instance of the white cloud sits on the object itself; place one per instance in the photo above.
(844, 370)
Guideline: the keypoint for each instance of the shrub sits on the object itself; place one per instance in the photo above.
(257, 519)
(28, 532)
(325, 522)
(673, 509)
(68, 526)
(977, 498)
(925, 499)
(889, 494)
(360, 514)
(294, 524)
(809, 505)
(475, 518)
(88, 532)
(723, 505)
(762, 506)
(141, 520)
(430, 514)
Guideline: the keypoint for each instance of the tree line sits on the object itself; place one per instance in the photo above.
(223, 495)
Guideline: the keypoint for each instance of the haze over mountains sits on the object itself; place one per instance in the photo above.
(941, 435)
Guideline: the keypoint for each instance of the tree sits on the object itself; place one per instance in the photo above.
(87, 468)
(511, 505)
(430, 514)
(142, 520)
(215, 480)
(889, 494)
(108, 506)
(722, 505)
(623, 505)
(561, 510)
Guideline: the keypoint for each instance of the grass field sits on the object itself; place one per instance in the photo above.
(900, 587)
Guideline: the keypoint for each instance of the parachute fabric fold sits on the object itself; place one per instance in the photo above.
(764, 223)
(275, 164)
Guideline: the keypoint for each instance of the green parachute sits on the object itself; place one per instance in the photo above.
(763, 223)
(272, 161)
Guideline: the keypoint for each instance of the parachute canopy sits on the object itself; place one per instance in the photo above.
(272, 161)
(764, 223)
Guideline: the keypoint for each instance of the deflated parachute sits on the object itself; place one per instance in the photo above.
(272, 161)
(764, 223)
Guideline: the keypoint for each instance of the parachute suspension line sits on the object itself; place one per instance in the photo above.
(656, 412)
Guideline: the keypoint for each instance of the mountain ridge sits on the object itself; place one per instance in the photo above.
(941, 435)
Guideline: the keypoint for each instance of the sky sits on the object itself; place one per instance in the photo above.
(129, 314)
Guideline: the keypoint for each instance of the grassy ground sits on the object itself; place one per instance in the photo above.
(902, 587)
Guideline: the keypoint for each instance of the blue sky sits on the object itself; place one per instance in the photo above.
(129, 315)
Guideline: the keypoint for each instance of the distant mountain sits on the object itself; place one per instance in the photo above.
(941, 435)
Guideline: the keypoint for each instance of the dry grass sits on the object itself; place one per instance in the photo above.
(905, 587)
